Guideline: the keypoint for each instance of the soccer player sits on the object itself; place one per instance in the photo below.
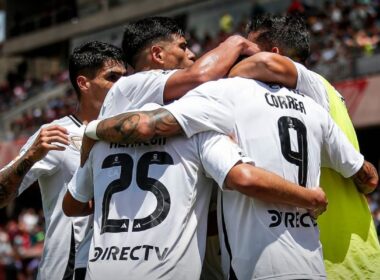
(51, 156)
(282, 132)
(151, 202)
(155, 47)
(350, 244)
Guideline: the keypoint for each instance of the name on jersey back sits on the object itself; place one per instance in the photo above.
(159, 141)
(285, 102)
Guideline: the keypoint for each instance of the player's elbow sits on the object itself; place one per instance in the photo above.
(244, 180)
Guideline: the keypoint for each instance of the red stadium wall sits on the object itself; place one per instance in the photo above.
(362, 98)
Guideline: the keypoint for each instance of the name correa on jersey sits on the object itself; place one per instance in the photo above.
(285, 102)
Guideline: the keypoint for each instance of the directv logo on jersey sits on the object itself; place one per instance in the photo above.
(137, 253)
(291, 219)
(284, 102)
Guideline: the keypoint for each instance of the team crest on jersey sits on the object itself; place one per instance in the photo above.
(76, 141)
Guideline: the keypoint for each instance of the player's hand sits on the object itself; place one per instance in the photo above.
(50, 138)
(367, 178)
(87, 144)
(320, 202)
(247, 47)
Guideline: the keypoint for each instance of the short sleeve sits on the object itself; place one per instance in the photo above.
(310, 84)
(338, 152)
(81, 186)
(218, 155)
(132, 92)
(205, 108)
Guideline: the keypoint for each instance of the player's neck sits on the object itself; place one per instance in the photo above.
(145, 64)
(87, 112)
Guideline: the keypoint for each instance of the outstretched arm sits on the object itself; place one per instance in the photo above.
(211, 66)
(130, 128)
(135, 126)
(269, 187)
(366, 179)
(12, 175)
(267, 67)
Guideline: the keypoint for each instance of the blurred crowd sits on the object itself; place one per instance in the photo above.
(21, 243)
(340, 31)
(18, 90)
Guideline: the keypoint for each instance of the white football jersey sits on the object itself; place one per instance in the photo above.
(151, 204)
(134, 91)
(283, 132)
(128, 93)
(53, 172)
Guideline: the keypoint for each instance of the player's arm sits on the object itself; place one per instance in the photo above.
(211, 66)
(367, 178)
(269, 187)
(130, 127)
(267, 67)
(13, 174)
(75, 208)
(340, 155)
(78, 200)
(225, 163)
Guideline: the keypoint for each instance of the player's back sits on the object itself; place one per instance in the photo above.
(282, 132)
(151, 203)
(285, 133)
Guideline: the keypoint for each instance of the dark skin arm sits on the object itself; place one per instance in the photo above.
(213, 65)
(267, 67)
(366, 179)
(74, 208)
(12, 176)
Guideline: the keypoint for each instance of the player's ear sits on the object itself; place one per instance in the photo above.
(157, 54)
(83, 83)
(275, 50)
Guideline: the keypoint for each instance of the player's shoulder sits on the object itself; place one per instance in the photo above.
(139, 79)
(226, 84)
(68, 122)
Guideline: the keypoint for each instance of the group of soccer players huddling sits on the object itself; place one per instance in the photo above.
(126, 182)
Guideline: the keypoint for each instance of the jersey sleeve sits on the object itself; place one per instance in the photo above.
(218, 154)
(46, 166)
(204, 108)
(81, 186)
(310, 84)
(132, 92)
(338, 153)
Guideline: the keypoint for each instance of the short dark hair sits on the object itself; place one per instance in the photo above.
(89, 57)
(289, 33)
(145, 32)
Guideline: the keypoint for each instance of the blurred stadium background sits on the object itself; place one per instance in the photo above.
(36, 38)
